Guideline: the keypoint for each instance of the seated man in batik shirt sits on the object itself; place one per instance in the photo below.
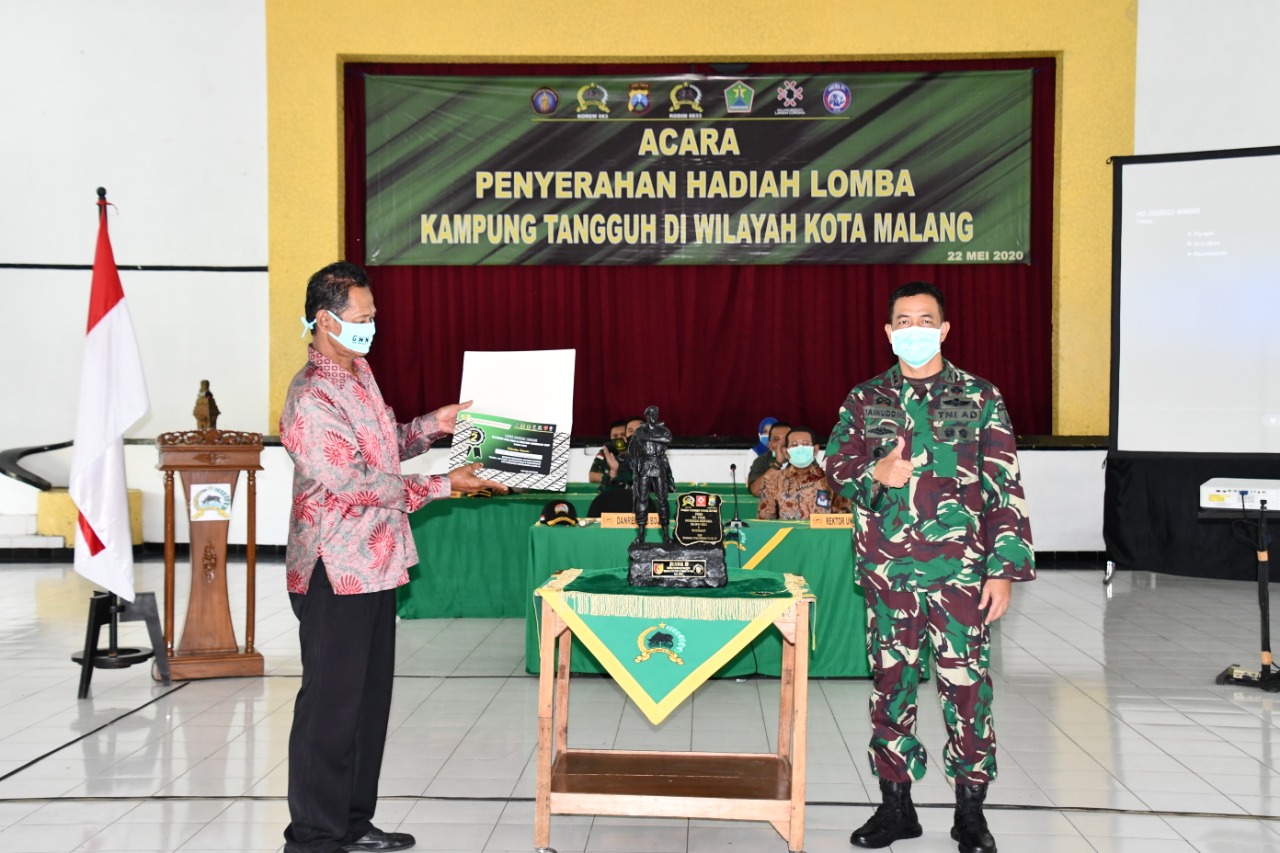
(800, 488)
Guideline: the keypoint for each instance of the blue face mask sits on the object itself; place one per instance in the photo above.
(357, 337)
(917, 345)
(801, 455)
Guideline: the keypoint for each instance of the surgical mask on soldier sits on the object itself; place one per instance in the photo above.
(917, 345)
(357, 337)
(801, 455)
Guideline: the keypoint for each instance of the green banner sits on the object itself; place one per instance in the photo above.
(838, 168)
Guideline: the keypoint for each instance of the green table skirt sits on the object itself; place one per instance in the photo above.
(823, 557)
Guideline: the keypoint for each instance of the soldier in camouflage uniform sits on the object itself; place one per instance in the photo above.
(927, 455)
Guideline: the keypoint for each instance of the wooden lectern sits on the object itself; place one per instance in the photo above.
(210, 462)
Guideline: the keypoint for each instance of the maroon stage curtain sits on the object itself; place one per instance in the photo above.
(717, 348)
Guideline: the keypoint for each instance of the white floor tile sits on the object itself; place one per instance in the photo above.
(1090, 718)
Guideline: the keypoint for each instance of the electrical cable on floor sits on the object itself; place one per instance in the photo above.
(988, 806)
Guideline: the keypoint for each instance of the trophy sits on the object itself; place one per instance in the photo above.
(696, 557)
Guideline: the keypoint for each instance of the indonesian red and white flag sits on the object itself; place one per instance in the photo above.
(113, 396)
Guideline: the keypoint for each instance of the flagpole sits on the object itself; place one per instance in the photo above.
(113, 627)
(95, 533)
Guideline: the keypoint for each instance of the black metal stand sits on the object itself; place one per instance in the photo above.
(736, 522)
(1264, 678)
(106, 608)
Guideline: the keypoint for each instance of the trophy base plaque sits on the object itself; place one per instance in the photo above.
(676, 566)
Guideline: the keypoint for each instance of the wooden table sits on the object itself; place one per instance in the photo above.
(722, 786)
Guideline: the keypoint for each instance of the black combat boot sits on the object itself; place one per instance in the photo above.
(893, 821)
(970, 828)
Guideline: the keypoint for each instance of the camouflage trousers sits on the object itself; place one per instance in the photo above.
(898, 622)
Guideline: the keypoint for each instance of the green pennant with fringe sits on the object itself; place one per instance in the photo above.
(661, 644)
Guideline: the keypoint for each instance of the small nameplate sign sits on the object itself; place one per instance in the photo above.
(837, 519)
(625, 519)
(679, 568)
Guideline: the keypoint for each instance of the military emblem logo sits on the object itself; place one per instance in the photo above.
(210, 502)
(661, 639)
(836, 98)
(545, 101)
(638, 102)
(593, 95)
(738, 97)
(686, 101)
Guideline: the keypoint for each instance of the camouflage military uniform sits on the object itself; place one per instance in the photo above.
(923, 551)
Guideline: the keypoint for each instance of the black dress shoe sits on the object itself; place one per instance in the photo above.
(376, 839)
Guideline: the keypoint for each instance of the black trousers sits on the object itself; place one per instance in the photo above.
(340, 715)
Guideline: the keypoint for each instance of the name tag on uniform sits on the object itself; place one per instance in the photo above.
(970, 412)
(888, 413)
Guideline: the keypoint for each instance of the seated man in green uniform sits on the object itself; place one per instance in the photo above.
(608, 455)
(927, 455)
(618, 473)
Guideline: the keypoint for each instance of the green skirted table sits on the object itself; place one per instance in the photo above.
(659, 645)
(824, 557)
(472, 552)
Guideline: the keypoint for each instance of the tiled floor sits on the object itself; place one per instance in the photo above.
(1113, 736)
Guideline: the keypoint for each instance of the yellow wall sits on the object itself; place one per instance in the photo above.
(1094, 41)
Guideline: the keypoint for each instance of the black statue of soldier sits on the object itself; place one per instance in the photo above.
(647, 452)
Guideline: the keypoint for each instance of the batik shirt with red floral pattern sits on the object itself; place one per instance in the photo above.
(351, 504)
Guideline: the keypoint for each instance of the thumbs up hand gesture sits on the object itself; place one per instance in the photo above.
(894, 470)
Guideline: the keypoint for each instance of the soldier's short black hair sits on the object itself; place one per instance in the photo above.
(917, 288)
(779, 425)
(327, 289)
(620, 422)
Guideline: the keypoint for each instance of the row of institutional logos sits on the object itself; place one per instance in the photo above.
(688, 100)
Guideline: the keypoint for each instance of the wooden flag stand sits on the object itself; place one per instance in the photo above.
(210, 462)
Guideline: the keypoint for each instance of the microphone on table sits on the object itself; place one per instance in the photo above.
(737, 519)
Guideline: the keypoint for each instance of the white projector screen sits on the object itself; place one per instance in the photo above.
(1196, 295)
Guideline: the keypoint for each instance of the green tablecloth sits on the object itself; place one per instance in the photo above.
(472, 552)
(824, 557)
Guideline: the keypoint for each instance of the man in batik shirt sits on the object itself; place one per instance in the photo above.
(927, 454)
(800, 489)
(349, 548)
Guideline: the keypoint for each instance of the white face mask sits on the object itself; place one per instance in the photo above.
(357, 337)
(917, 345)
(801, 455)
